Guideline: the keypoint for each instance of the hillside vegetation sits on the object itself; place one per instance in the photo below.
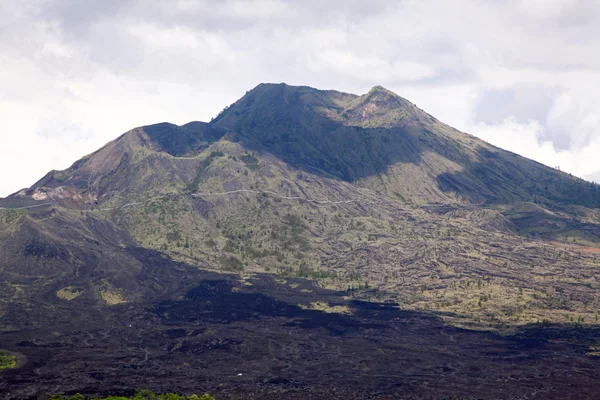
(139, 395)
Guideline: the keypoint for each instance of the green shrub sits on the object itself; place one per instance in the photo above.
(250, 161)
(231, 263)
(7, 361)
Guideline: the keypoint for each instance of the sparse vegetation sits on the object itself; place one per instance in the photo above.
(231, 263)
(139, 395)
(250, 161)
(111, 295)
(7, 361)
(325, 307)
(8, 216)
(192, 187)
(69, 293)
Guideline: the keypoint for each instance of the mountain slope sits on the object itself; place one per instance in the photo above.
(128, 166)
(367, 194)
(378, 140)
(384, 142)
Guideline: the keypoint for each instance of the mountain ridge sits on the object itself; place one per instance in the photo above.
(379, 141)
(387, 115)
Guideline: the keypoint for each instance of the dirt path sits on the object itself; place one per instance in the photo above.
(24, 208)
(268, 192)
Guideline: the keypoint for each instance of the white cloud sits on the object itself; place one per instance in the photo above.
(544, 9)
(577, 114)
(528, 138)
(361, 68)
(75, 75)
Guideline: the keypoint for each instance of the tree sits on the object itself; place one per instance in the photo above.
(144, 394)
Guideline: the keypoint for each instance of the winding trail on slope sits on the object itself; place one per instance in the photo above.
(200, 195)
(24, 208)
(206, 194)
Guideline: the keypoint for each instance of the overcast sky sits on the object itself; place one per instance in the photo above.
(524, 75)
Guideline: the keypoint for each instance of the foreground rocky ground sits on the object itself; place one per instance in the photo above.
(271, 339)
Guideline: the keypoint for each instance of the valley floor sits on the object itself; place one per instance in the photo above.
(242, 340)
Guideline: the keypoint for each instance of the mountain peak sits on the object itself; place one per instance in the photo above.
(380, 107)
(381, 89)
(384, 96)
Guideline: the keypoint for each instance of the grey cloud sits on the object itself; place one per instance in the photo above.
(560, 40)
(237, 44)
(523, 103)
(270, 47)
(212, 15)
(76, 15)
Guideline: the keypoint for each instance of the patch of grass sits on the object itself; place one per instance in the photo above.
(325, 307)
(7, 361)
(8, 216)
(112, 295)
(305, 271)
(60, 176)
(69, 293)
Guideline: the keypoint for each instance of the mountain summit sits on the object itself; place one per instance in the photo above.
(384, 142)
(381, 108)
